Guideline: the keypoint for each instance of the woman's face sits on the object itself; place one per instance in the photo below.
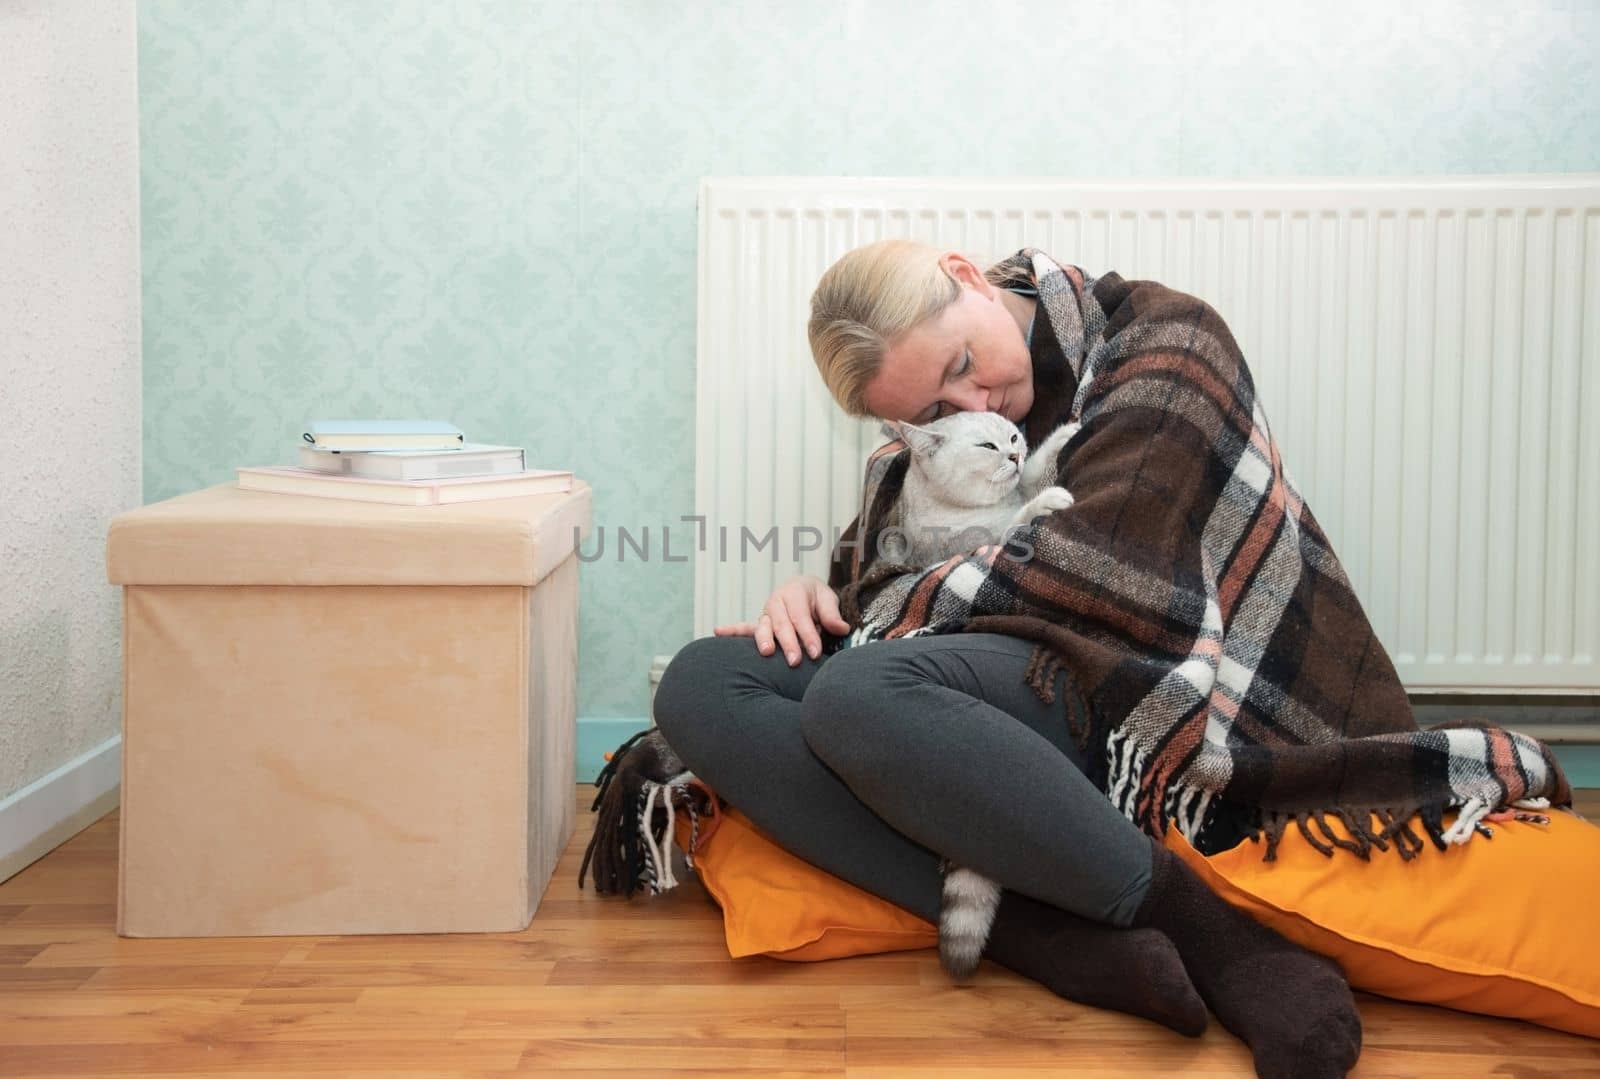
(973, 357)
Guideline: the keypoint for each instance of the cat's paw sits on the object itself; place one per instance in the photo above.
(1060, 437)
(1049, 500)
(1039, 470)
(1053, 442)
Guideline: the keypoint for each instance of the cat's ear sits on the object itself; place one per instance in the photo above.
(921, 440)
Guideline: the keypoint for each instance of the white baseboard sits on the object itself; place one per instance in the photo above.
(52, 809)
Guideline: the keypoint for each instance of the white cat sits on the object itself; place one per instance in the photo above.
(969, 482)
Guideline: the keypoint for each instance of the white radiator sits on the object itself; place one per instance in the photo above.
(1427, 352)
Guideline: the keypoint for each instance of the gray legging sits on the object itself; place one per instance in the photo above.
(868, 761)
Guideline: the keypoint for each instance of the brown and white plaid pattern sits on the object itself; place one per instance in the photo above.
(1221, 658)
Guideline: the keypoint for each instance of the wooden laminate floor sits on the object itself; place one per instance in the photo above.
(595, 985)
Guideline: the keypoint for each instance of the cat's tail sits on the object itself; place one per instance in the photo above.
(966, 914)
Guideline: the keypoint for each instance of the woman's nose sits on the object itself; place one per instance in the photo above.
(971, 399)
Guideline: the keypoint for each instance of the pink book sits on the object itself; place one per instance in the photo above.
(304, 481)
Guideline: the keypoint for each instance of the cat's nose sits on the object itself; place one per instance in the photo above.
(1017, 457)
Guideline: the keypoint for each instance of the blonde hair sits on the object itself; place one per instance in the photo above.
(866, 300)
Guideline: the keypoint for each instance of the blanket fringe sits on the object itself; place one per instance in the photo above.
(640, 789)
(615, 858)
(1039, 674)
(1393, 827)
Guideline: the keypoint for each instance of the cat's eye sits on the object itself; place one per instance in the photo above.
(988, 446)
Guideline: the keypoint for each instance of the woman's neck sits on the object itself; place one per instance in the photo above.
(1021, 308)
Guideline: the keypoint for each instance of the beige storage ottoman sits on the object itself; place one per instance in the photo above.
(344, 717)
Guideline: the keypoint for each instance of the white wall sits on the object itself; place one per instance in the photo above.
(69, 404)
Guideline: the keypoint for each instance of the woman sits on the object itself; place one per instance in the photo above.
(990, 750)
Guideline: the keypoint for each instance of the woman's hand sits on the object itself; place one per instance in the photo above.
(790, 618)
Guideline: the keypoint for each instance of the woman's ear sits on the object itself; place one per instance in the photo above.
(965, 271)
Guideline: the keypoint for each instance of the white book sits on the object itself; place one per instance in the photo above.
(472, 459)
(383, 434)
(302, 481)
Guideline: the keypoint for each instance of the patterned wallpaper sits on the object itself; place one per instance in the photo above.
(485, 211)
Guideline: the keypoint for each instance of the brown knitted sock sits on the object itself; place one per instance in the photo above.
(1136, 971)
(1291, 1007)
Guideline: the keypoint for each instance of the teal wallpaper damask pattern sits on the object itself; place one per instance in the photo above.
(485, 211)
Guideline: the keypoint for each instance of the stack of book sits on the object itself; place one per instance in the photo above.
(408, 462)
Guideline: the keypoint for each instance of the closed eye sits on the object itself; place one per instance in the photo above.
(951, 377)
(938, 408)
(988, 446)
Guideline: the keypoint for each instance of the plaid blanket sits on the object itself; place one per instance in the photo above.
(1226, 676)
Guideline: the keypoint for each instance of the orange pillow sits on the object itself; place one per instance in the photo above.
(1501, 926)
(776, 904)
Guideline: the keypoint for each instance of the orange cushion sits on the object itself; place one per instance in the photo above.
(776, 904)
(1501, 926)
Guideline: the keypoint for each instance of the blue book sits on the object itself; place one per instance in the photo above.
(383, 435)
